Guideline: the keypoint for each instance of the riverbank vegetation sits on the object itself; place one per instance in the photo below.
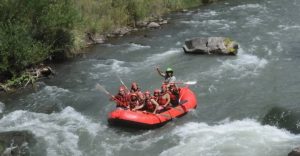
(33, 31)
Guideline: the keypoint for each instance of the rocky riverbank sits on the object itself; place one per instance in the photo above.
(154, 23)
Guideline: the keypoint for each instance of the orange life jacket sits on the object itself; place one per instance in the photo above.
(133, 104)
(122, 101)
(149, 106)
(161, 100)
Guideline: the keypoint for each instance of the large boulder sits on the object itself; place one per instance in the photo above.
(153, 25)
(295, 152)
(16, 143)
(211, 45)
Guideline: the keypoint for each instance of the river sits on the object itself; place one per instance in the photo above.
(247, 104)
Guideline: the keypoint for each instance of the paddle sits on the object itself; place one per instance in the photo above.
(122, 81)
(186, 83)
(102, 89)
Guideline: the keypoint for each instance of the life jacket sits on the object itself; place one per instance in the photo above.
(174, 97)
(149, 106)
(139, 93)
(122, 101)
(133, 104)
(161, 100)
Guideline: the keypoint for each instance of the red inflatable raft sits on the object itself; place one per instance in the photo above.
(144, 120)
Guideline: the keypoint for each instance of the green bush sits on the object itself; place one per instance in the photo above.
(32, 30)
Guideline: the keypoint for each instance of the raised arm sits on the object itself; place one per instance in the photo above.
(139, 107)
(160, 72)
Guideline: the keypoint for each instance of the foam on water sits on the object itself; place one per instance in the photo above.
(118, 66)
(288, 27)
(253, 21)
(209, 22)
(248, 6)
(162, 56)
(244, 65)
(112, 65)
(244, 137)
(134, 47)
(60, 131)
(128, 47)
(209, 13)
(113, 145)
(219, 24)
(53, 94)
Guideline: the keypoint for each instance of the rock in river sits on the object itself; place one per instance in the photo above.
(16, 143)
(153, 25)
(211, 45)
(295, 152)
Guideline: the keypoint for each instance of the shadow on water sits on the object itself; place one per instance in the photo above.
(283, 118)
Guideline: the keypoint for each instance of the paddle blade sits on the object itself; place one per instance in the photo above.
(101, 88)
(191, 82)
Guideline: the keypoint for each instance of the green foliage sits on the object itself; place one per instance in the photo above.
(17, 48)
(107, 15)
(182, 4)
(228, 42)
(32, 30)
(20, 81)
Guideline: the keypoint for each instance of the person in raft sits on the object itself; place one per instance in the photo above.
(164, 98)
(150, 104)
(121, 98)
(134, 103)
(168, 75)
(174, 94)
(135, 89)
(156, 94)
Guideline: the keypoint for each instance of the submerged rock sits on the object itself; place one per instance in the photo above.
(295, 152)
(211, 45)
(16, 143)
(47, 108)
(283, 118)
